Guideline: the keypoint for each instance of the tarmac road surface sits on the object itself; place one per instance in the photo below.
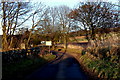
(65, 67)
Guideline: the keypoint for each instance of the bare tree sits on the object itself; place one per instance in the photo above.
(64, 22)
(55, 23)
(37, 16)
(93, 15)
(15, 14)
(11, 14)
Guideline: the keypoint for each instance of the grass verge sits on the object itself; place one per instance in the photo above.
(25, 67)
(96, 67)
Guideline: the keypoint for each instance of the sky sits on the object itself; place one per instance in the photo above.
(69, 3)
(52, 3)
(0, 29)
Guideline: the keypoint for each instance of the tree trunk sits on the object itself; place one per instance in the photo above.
(65, 41)
(4, 38)
(27, 43)
(93, 32)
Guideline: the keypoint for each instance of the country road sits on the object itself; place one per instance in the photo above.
(64, 67)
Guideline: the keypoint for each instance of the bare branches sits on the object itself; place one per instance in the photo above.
(10, 16)
(95, 15)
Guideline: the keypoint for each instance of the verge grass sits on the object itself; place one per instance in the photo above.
(25, 67)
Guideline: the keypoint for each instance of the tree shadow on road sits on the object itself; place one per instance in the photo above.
(59, 69)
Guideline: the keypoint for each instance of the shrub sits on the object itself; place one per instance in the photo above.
(83, 52)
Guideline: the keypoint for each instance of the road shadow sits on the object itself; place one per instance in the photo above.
(63, 67)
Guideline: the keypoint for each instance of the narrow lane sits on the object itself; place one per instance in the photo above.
(64, 67)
